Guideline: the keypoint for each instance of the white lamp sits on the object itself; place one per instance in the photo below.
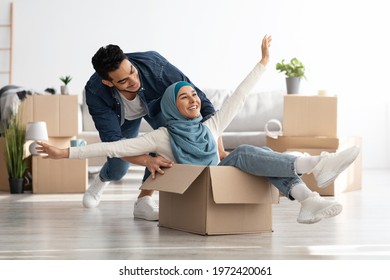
(36, 131)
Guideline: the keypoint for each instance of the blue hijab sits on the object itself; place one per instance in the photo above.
(191, 141)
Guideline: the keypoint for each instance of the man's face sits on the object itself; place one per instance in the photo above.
(125, 78)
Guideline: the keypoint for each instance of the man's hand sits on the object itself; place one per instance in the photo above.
(154, 164)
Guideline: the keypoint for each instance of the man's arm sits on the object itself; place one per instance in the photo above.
(101, 106)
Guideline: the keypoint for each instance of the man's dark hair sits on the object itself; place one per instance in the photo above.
(107, 59)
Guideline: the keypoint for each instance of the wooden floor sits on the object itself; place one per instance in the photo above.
(52, 227)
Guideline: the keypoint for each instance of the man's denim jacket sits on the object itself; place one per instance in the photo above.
(106, 106)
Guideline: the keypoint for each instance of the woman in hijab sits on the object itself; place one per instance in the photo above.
(186, 140)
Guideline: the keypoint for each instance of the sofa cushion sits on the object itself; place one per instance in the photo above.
(259, 108)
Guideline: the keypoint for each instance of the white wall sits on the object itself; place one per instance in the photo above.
(343, 44)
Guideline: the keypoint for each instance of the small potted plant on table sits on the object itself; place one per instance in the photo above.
(294, 71)
(66, 80)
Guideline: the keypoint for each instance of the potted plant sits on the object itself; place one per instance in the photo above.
(294, 71)
(14, 146)
(66, 80)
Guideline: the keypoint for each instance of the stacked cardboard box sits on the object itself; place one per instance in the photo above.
(310, 126)
(54, 176)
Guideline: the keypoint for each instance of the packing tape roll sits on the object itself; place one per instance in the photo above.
(274, 134)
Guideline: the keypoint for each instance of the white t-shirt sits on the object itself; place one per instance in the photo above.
(134, 109)
(158, 141)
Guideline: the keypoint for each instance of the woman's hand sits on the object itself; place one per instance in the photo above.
(51, 151)
(265, 45)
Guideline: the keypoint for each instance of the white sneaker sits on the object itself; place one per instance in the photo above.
(146, 208)
(315, 208)
(332, 164)
(92, 196)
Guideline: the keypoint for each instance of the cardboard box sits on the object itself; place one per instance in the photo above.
(60, 112)
(59, 176)
(283, 143)
(349, 180)
(211, 200)
(310, 115)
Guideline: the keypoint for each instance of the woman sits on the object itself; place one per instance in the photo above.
(187, 140)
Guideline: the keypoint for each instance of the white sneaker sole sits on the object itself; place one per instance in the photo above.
(144, 217)
(328, 212)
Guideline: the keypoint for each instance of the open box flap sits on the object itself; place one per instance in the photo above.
(231, 185)
(176, 179)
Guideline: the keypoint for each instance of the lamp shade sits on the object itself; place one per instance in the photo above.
(36, 131)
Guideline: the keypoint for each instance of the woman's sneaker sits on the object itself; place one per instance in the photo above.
(315, 208)
(332, 164)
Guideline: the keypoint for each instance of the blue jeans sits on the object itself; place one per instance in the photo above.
(115, 168)
(262, 161)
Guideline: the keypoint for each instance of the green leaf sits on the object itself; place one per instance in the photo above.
(294, 68)
(14, 134)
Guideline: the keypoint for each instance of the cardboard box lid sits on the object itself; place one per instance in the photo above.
(284, 143)
(176, 179)
(229, 185)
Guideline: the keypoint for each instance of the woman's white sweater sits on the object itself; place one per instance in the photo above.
(158, 142)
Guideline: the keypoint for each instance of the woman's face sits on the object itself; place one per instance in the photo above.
(188, 102)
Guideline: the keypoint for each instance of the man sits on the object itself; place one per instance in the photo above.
(124, 89)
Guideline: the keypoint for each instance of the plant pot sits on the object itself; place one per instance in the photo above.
(64, 90)
(16, 185)
(293, 85)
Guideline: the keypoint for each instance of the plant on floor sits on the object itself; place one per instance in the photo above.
(14, 145)
(294, 71)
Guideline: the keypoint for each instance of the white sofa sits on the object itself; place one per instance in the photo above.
(246, 128)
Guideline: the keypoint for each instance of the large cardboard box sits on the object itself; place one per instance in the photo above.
(349, 180)
(59, 176)
(310, 115)
(211, 200)
(60, 112)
